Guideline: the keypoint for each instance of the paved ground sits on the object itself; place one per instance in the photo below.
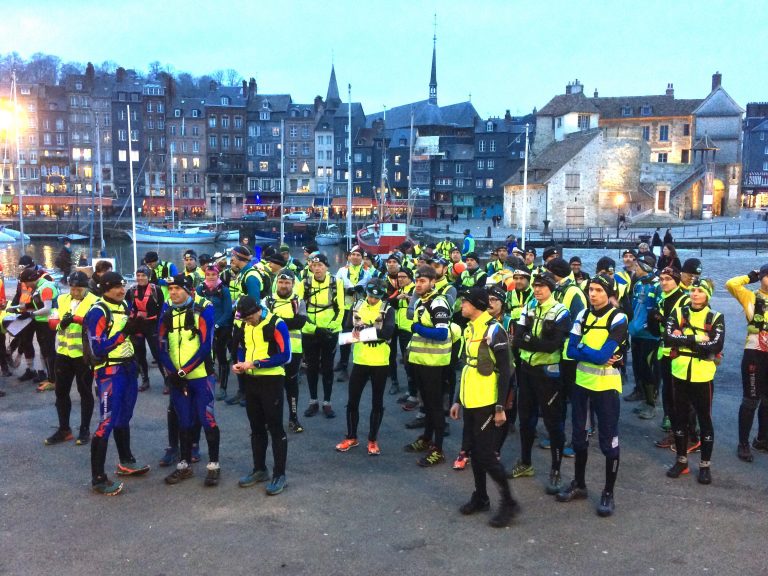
(353, 514)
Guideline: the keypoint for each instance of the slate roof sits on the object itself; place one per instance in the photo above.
(705, 143)
(461, 115)
(277, 102)
(357, 110)
(235, 94)
(718, 103)
(762, 127)
(564, 103)
(556, 155)
(186, 104)
(460, 152)
(400, 134)
(661, 105)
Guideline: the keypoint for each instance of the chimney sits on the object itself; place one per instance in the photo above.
(568, 88)
(595, 94)
(212, 86)
(576, 87)
(244, 92)
(318, 103)
(507, 116)
(89, 75)
(252, 86)
(120, 75)
(170, 87)
(717, 80)
(670, 90)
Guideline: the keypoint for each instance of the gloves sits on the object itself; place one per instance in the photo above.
(174, 379)
(350, 291)
(131, 326)
(66, 320)
(334, 326)
(24, 315)
(754, 276)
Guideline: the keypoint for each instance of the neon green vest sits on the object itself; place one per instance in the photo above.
(423, 351)
(370, 353)
(479, 390)
(184, 342)
(37, 301)
(119, 316)
(257, 347)
(70, 339)
(547, 312)
(686, 365)
(284, 308)
(594, 333)
(401, 313)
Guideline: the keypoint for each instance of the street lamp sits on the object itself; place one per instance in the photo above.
(619, 200)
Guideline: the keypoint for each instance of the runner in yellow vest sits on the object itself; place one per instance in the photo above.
(289, 306)
(696, 334)
(403, 334)
(354, 277)
(42, 303)
(482, 395)
(192, 269)
(262, 353)
(597, 342)
(67, 320)
(370, 360)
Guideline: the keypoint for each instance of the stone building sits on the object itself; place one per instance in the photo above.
(54, 148)
(300, 151)
(755, 155)
(153, 139)
(126, 92)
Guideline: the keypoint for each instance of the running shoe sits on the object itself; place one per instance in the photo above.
(59, 436)
(572, 492)
(40, 377)
(373, 448)
(312, 410)
(555, 483)
(180, 474)
(295, 426)
(475, 504)
(705, 476)
(461, 461)
(212, 475)
(169, 457)
(28, 374)
(394, 388)
(235, 399)
(45, 386)
(277, 485)
(635, 396)
(130, 468)
(403, 399)
(693, 446)
(410, 404)
(253, 478)
(666, 424)
(667, 442)
(221, 394)
(647, 412)
(84, 437)
(606, 506)
(568, 452)
(419, 445)
(521, 470)
(504, 515)
(433, 458)
(107, 487)
(328, 410)
(678, 469)
(544, 444)
(744, 453)
(144, 385)
(760, 445)
(346, 444)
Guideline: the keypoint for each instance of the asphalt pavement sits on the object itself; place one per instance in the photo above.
(350, 513)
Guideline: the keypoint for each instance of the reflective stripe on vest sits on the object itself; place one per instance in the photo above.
(69, 341)
(423, 351)
(354, 273)
(37, 300)
(594, 335)
(124, 350)
(478, 390)
(183, 343)
(370, 353)
(285, 308)
(140, 304)
(542, 358)
(257, 348)
(320, 300)
(687, 365)
(401, 313)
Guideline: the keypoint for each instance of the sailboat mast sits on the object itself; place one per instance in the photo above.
(382, 215)
(133, 201)
(349, 169)
(282, 181)
(18, 157)
(525, 189)
(408, 206)
(102, 251)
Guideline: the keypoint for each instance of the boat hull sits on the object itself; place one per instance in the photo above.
(172, 237)
(327, 239)
(370, 240)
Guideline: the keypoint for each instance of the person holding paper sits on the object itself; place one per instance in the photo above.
(370, 360)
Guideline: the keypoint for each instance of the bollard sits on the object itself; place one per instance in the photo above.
(489, 232)
(701, 247)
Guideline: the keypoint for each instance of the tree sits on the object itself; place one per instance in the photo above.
(233, 77)
(42, 69)
(187, 84)
(218, 75)
(70, 68)
(107, 67)
(154, 69)
(10, 62)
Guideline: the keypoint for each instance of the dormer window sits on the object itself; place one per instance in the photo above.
(489, 127)
(195, 113)
(265, 104)
(645, 110)
(626, 110)
(177, 113)
(225, 100)
(306, 114)
(294, 113)
(78, 85)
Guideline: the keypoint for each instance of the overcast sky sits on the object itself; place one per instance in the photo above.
(508, 54)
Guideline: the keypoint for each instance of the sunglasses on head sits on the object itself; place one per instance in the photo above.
(284, 276)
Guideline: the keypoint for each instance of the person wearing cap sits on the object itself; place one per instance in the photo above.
(429, 351)
(474, 275)
(539, 335)
(285, 303)
(754, 362)
(42, 303)
(162, 271)
(550, 253)
(607, 265)
(354, 277)
(455, 266)
(25, 339)
(690, 271)
(445, 247)
(389, 275)
(530, 259)
(579, 276)
(597, 343)
(625, 279)
(520, 292)
(246, 281)
(670, 300)
(145, 301)
(696, 335)
(644, 343)
(403, 322)
(185, 334)
(217, 293)
(191, 267)
(109, 351)
(501, 257)
(290, 262)
(262, 354)
(370, 361)
(468, 245)
(67, 321)
(324, 298)
(482, 397)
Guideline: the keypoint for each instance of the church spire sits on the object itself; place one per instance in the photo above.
(433, 77)
(332, 99)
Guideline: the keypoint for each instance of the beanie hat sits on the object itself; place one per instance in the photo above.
(763, 271)
(26, 260)
(478, 297)
(151, 256)
(184, 282)
(497, 291)
(110, 280)
(574, 259)
(605, 264)
(190, 254)
(376, 287)
(545, 279)
(673, 272)
(559, 267)
(242, 252)
(78, 279)
(276, 259)
(605, 282)
(705, 284)
(246, 306)
(320, 258)
(472, 255)
(144, 269)
(551, 251)
(692, 266)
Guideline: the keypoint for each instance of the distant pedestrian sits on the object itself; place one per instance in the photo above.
(64, 259)
(656, 241)
(483, 213)
(668, 258)
(668, 237)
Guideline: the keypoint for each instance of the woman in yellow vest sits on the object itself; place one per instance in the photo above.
(482, 394)
(67, 320)
(370, 360)
(262, 352)
(696, 334)
(403, 334)
(597, 343)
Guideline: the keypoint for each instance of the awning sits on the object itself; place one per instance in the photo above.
(164, 202)
(299, 201)
(341, 202)
(73, 201)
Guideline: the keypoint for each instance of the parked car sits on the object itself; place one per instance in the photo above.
(255, 216)
(299, 216)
